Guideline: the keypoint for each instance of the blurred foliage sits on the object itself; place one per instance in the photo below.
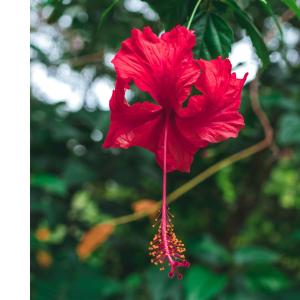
(241, 227)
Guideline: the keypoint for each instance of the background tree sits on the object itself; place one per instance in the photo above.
(241, 226)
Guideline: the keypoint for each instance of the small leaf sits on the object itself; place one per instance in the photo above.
(254, 255)
(266, 279)
(49, 183)
(292, 5)
(85, 209)
(202, 284)
(289, 130)
(160, 287)
(214, 36)
(209, 251)
(58, 234)
(93, 239)
(284, 184)
(226, 185)
(245, 22)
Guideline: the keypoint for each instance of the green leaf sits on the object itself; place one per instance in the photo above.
(49, 183)
(289, 130)
(160, 287)
(214, 36)
(266, 279)
(283, 183)
(56, 13)
(201, 284)
(289, 294)
(268, 8)
(274, 100)
(76, 172)
(172, 12)
(40, 53)
(254, 255)
(245, 22)
(208, 250)
(292, 5)
(226, 185)
(105, 13)
(241, 295)
(85, 209)
(58, 234)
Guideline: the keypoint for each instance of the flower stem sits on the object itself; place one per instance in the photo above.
(193, 14)
(164, 206)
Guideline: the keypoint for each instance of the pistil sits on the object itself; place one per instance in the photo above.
(165, 247)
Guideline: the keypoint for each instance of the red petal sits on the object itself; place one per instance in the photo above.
(133, 125)
(180, 152)
(218, 84)
(162, 67)
(213, 116)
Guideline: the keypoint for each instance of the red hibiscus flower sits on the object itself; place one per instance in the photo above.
(164, 68)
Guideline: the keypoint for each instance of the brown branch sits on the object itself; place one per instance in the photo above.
(287, 16)
(86, 59)
(255, 104)
(268, 130)
(284, 18)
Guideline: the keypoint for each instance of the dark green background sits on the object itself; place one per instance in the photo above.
(241, 227)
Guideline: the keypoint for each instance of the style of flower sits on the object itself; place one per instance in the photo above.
(177, 123)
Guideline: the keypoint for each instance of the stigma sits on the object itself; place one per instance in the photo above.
(166, 248)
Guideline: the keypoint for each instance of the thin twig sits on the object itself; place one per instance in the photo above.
(105, 13)
(193, 14)
(86, 59)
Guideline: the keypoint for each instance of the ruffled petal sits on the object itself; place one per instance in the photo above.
(139, 124)
(219, 85)
(206, 126)
(161, 66)
(213, 117)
